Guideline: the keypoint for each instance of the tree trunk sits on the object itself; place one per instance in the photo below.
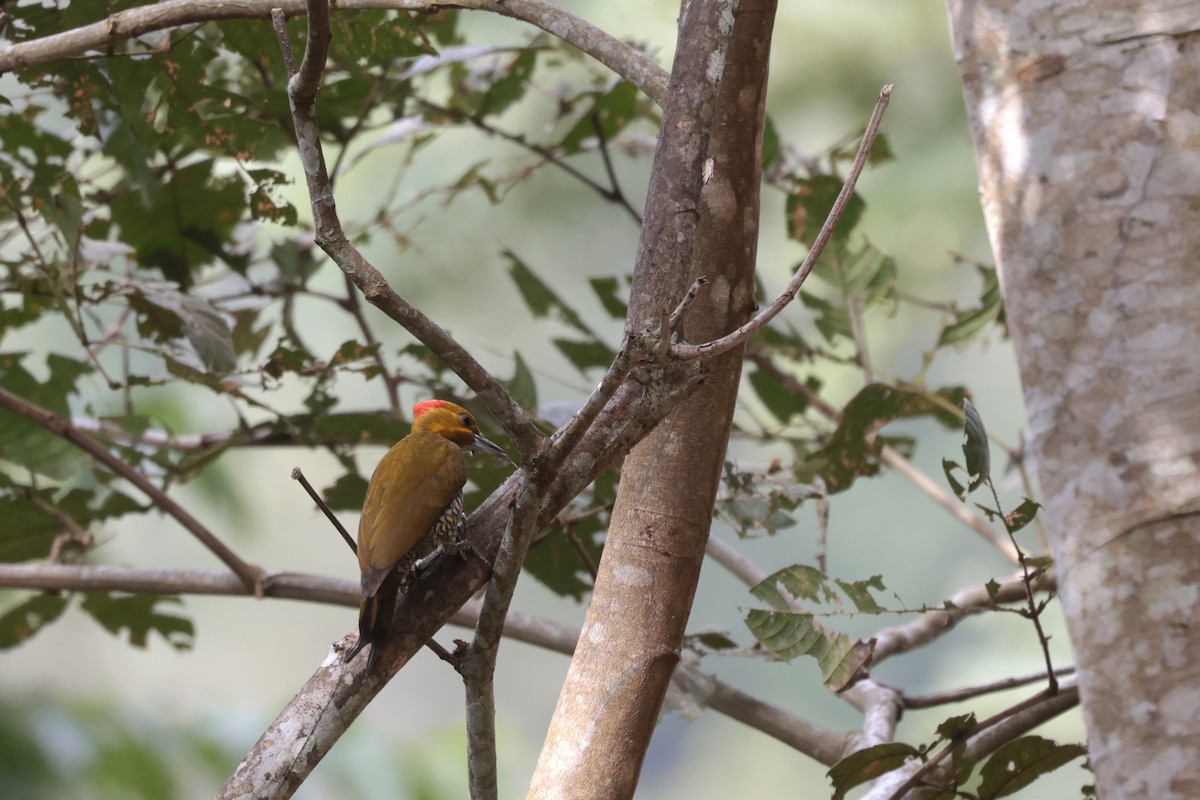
(1088, 143)
(633, 632)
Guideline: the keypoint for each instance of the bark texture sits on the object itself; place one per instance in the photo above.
(1087, 136)
(701, 220)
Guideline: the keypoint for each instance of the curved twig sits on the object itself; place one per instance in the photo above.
(688, 352)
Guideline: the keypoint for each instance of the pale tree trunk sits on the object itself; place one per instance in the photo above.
(701, 221)
(1087, 135)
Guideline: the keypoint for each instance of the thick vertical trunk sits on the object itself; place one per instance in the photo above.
(634, 628)
(1088, 143)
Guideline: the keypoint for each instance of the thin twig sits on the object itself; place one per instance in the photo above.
(1034, 613)
(971, 692)
(479, 661)
(615, 193)
(297, 475)
(688, 352)
(250, 575)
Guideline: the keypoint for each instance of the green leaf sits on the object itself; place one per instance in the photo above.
(868, 764)
(948, 467)
(1019, 763)
(606, 290)
(975, 447)
(347, 493)
(859, 593)
(29, 528)
(789, 635)
(967, 324)
(850, 452)
(188, 224)
(521, 385)
(813, 586)
(613, 109)
(774, 394)
(585, 355)
(539, 297)
(137, 614)
(956, 726)
(833, 321)
(993, 588)
(26, 443)
(24, 620)
(810, 203)
(1021, 516)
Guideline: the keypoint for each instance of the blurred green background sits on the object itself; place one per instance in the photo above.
(102, 710)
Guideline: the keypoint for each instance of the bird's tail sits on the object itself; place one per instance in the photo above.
(368, 611)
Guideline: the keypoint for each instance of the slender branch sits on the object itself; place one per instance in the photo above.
(1037, 702)
(614, 193)
(970, 692)
(688, 352)
(99, 37)
(250, 575)
(935, 624)
(85, 578)
(1033, 612)
(297, 475)
(479, 663)
(794, 731)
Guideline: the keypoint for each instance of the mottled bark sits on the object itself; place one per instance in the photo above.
(701, 220)
(1087, 137)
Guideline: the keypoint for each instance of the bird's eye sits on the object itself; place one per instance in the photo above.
(466, 420)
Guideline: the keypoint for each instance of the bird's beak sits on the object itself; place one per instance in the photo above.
(482, 445)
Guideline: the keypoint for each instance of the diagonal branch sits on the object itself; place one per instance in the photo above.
(250, 575)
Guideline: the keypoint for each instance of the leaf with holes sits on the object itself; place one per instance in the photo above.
(1019, 763)
(843, 662)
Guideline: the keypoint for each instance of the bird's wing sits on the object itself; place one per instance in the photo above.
(412, 485)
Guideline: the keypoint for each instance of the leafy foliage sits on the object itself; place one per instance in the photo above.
(147, 214)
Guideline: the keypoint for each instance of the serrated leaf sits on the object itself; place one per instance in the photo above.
(975, 447)
(859, 593)
(868, 764)
(842, 661)
(137, 614)
(1021, 516)
(24, 620)
(1019, 763)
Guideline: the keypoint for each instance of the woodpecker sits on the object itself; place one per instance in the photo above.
(414, 504)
